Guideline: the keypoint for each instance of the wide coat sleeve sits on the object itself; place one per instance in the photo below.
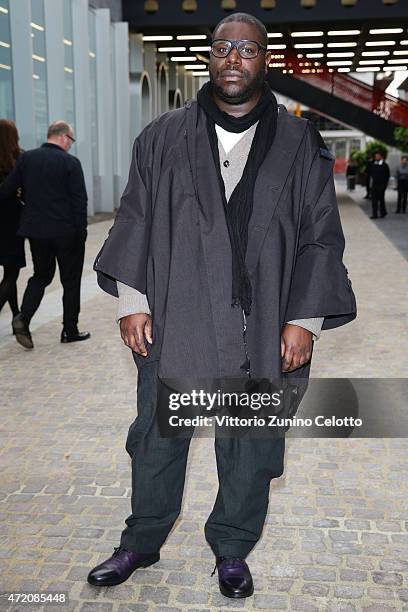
(123, 256)
(320, 286)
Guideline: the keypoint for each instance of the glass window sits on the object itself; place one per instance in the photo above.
(69, 100)
(6, 75)
(39, 70)
(93, 92)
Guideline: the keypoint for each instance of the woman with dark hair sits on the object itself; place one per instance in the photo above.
(12, 256)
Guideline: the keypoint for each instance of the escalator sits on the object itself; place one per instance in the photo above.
(345, 99)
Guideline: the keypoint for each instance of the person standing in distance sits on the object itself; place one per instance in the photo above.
(54, 219)
(380, 175)
(229, 232)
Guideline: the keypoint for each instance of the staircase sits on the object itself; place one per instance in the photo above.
(345, 99)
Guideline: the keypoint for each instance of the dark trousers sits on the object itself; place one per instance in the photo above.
(402, 196)
(245, 468)
(69, 252)
(378, 199)
(8, 288)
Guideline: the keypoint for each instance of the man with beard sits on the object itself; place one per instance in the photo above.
(226, 254)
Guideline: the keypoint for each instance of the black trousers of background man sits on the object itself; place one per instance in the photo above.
(378, 199)
(402, 196)
(69, 252)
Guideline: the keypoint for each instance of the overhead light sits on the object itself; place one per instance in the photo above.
(196, 67)
(348, 2)
(3, 10)
(92, 54)
(309, 46)
(40, 28)
(312, 55)
(275, 35)
(267, 5)
(376, 53)
(380, 43)
(181, 58)
(339, 63)
(67, 42)
(151, 6)
(189, 6)
(386, 31)
(228, 5)
(369, 62)
(5, 67)
(343, 69)
(156, 38)
(276, 46)
(342, 44)
(398, 61)
(308, 3)
(400, 52)
(38, 58)
(200, 49)
(346, 54)
(390, 2)
(69, 70)
(4, 44)
(36, 77)
(200, 74)
(169, 49)
(403, 42)
(277, 65)
(342, 32)
(368, 69)
(191, 36)
(395, 68)
(305, 34)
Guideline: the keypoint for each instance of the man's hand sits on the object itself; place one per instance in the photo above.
(134, 329)
(296, 347)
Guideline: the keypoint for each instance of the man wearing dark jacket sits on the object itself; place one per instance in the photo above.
(54, 219)
(380, 175)
(229, 229)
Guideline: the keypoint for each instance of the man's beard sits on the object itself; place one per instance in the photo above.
(252, 86)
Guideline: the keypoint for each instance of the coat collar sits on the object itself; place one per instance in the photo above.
(270, 181)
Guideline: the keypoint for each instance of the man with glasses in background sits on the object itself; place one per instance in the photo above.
(54, 219)
(226, 256)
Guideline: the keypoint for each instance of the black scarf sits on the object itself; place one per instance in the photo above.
(238, 210)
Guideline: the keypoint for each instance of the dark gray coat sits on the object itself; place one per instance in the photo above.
(170, 241)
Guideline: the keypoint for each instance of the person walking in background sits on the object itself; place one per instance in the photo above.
(380, 175)
(12, 256)
(54, 219)
(402, 180)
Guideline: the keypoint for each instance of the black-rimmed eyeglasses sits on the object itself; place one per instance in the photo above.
(70, 137)
(248, 49)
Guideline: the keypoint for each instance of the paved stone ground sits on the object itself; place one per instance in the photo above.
(336, 538)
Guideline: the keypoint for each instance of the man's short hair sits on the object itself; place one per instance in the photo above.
(58, 128)
(245, 18)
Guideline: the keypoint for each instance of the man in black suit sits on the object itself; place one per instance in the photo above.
(54, 219)
(380, 175)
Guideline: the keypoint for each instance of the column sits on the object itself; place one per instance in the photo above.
(104, 86)
(22, 66)
(82, 98)
(122, 141)
(54, 44)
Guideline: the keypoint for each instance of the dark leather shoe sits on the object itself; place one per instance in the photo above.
(234, 577)
(373, 217)
(75, 337)
(119, 567)
(22, 331)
